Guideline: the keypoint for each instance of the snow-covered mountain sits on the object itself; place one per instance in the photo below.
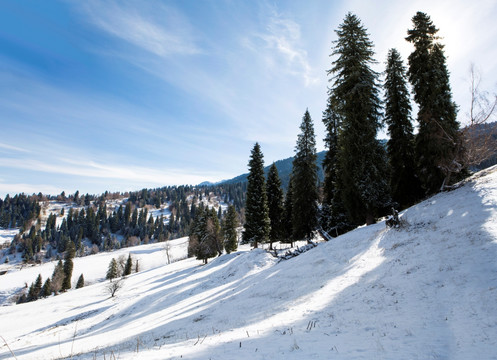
(426, 290)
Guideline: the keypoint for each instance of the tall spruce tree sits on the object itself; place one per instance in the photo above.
(288, 214)
(257, 223)
(438, 139)
(305, 178)
(230, 225)
(404, 184)
(333, 217)
(362, 161)
(275, 205)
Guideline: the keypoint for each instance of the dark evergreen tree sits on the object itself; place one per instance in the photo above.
(68, 266)
(333, 217)
(275, 205)
(361, 159)
(37, 287)
(438, 139)
(257, 223)
(230, 226)
(305, 179)
(205, 239)
(128, 266)
(81, 282)
(404, 184)
(46, 290)
(31, 293)
(112, 270)
(288, 214)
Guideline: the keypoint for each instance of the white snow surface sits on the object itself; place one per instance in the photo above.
(427, 290)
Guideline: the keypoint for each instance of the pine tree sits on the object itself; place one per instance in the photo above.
(230, 226)
(361, 159)
(81, 282)
(304, 182)
(257, 223)
(46, 290)
(275, 205)
(205, 239)
(288, 214)
(112, 270)
(68, 266)
(128, 266)
(31, 293)
(404, 184)
(35, 289)
(438, 139)
(333, 217)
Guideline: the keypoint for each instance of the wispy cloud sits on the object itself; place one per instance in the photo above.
(282, 42)
(13, 148)
(162, 31)
(92, 169)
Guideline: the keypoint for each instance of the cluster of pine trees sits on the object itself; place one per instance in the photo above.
(271, 217)
(212, 232)
(120, 267)
(18, 211)
(60, 280)
(93, 222)
(95, 225)
(363, 180)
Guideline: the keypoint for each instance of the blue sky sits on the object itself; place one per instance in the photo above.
(122, 95)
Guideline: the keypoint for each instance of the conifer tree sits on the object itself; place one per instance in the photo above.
(257, 223)
(46, 290)
(112, 270)
(128, 266)
(361, 159)
(81, 282)
(333, 217)
(288, 214)
(230, 225)
(31, 293)
(404, 184)
(35, 289)
(68, 266)
(205, 239)
(438, 139)
(275, 205)
(304, 182)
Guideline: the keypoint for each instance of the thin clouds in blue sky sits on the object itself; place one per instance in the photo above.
(112, 95)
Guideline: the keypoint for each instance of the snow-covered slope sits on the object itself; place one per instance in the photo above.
(424, 291)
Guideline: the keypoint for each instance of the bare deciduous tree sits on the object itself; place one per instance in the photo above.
(479, 143)
(476, 142)
(167, 250)
(114, 286)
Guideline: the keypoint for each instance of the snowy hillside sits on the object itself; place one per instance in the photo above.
(424, 291)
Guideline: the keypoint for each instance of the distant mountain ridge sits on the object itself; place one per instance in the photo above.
(284, 170)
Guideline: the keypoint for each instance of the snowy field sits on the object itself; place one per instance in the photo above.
(425, 291)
